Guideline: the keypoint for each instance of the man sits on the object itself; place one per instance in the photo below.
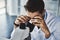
(48, 23)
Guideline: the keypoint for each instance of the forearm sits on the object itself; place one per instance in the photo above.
(45, 29)
(47, 32)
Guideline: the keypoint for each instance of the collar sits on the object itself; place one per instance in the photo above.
(45, 16)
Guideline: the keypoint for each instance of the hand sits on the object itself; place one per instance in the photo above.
(39, 22)
(21, 19)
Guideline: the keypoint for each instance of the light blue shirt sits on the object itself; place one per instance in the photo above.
(53, 24)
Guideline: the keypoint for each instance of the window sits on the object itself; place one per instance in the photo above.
(52, 6)
(22, 9)
(2, 7)
(15, 7)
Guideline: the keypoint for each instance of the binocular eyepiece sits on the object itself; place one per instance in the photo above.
(27, 24)
(24, 25)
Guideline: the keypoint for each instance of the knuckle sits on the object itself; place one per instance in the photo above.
(18, 20)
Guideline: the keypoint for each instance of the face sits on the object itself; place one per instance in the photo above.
(32, 15)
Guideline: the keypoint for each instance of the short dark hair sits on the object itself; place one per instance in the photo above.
(35, 5)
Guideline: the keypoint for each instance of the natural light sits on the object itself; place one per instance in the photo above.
(2, 6)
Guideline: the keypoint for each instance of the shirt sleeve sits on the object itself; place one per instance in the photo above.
(19, 34)
(55, 34)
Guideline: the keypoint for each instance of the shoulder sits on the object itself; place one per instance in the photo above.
(52, 19)
(51, 16)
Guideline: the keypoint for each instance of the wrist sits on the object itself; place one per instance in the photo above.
(16, 24)
(46, 31)
(47, 35)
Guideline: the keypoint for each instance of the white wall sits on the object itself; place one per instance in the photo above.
(12, 7)
(52, 6)
(22, 9)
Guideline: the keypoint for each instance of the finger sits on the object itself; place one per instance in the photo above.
(36, 20)
(36, 24)
(25, 18)
(38, 17)
(21, 20)
(22, 17)
(17, 21)
(28, 18)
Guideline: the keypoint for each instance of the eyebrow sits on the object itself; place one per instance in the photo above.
(36, 15)
(35, 18)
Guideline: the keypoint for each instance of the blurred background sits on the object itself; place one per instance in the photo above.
(10, 9)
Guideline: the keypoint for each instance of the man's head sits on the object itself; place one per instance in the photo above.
(34, 7)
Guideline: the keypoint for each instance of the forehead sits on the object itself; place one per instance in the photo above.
(32, 15)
